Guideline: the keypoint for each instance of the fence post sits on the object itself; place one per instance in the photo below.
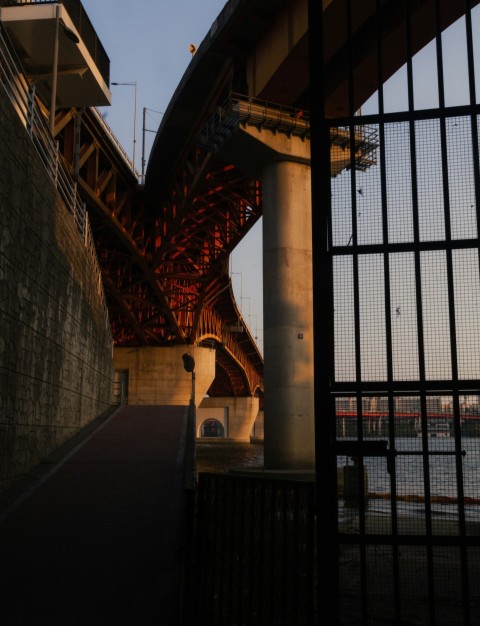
(30, 108)
(55, 164)
(73, 204)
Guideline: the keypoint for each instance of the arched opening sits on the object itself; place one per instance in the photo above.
(212, 428)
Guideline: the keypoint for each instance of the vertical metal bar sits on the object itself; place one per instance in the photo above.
(271, 566)
(473, 114)
(86, 228)
(73, 204)
(452, 318)
(31, 108)
(309, 553)
(143, 143)
(470, 55)
(419, 307)
(262, 560)
(226, 595)
(475, 158)
(216, 498)
(240, 615)
(356, 304)
(391, 464)
(327, 548)
(77, 143)
(295, 530)
(53, 98)
(56, 162)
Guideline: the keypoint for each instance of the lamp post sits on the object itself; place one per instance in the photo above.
(144, 130)
(241, 284)
(189, 366)
(132, 84)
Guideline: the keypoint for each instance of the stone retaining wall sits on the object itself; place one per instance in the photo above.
(56, 369)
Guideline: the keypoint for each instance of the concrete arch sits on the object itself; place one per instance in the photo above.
(211, 427)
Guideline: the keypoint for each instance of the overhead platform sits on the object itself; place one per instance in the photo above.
(83, 66)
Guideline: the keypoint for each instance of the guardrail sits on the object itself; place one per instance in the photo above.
(254, 560)
(240, 109)
(22, 96)
(111, 136)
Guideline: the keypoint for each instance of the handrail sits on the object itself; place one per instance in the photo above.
(22, 96)
(242, 110)
(111, 136)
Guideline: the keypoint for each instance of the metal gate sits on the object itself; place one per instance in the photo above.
(396, 205)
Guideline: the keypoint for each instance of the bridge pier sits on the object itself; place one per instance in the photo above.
(288, 316)
(282, 161)
(237, 417)
(156, 376)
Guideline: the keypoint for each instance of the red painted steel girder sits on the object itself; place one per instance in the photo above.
(165, 266)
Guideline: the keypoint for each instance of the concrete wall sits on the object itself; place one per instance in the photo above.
(257, 430)
(218, 413)
(56, 368)
(239, 418)
(157, 376)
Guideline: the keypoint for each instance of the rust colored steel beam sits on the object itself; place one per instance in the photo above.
(165, 266)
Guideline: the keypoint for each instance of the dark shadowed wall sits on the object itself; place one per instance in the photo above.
(56, 371)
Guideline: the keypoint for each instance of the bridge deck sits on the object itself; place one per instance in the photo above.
(99, 539)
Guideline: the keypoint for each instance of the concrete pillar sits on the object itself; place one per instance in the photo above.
(156, 376)
(288, 316)
(257, 433)
(282, 160)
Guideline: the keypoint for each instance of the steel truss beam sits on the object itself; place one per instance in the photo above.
(165, 266)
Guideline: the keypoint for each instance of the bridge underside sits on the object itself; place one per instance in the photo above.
(164, 248)
(165, 269)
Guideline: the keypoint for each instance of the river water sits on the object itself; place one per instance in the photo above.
(220, 457)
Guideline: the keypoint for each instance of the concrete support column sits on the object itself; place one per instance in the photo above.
(288, 316)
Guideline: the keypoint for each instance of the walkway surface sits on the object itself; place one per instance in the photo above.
(99, 540)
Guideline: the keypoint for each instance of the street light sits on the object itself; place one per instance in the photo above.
(189, 366)
(132, 84)
(144, 130)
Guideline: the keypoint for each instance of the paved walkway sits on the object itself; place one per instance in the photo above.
(99, 540)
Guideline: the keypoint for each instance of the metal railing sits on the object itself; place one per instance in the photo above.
(240, 109)
(254, 551)
(84, 26)
(22, 96)
(113, 139)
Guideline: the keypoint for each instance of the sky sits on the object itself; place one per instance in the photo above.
(148, 43)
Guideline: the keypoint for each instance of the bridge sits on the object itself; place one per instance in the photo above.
(239, 141)
(215, 169)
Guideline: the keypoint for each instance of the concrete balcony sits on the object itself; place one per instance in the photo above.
(83, 66)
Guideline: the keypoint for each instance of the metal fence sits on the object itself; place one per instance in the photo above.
(397, 294)
(254, 558)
